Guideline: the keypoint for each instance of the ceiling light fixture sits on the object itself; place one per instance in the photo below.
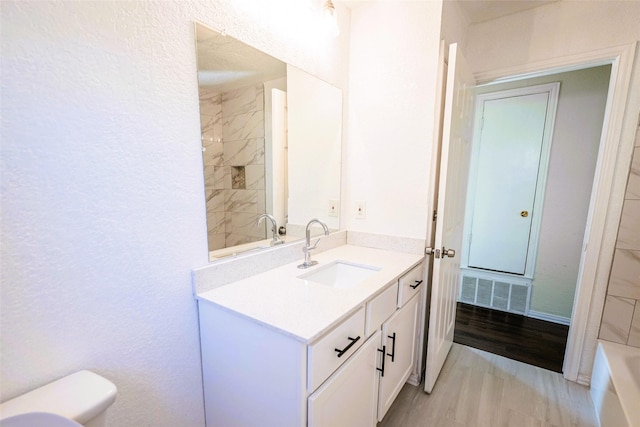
(331, 18)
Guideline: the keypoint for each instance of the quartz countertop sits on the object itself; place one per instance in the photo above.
(303, 309)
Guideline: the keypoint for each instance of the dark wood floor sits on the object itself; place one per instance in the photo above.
(517, 337)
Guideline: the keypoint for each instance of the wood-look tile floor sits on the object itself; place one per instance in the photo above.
(476, 388)
(517, 337)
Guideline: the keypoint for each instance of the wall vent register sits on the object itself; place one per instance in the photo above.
(496, 291)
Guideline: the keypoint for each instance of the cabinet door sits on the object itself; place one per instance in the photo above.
(349, 396)
(399, 339)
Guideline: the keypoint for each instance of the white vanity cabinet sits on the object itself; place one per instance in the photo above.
(350, 396)
(256, 374)
(399, 341)
(410, 284)
(329, 352)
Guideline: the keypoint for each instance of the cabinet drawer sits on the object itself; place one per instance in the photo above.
(381, 308)
(350, 396)
(323, 359)
(410, 284)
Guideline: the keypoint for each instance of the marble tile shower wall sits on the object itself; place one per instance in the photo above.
(233, 139)
(211, 127)
(621, 317)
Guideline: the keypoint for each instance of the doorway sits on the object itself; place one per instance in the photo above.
(549, 271)
(604, 208)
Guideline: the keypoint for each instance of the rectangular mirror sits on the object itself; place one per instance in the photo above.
(271, 144)
(315, 131)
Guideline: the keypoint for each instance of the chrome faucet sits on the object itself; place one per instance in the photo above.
(307, 243)
(274, 228)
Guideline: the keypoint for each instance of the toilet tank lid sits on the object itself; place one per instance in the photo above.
(80, 396)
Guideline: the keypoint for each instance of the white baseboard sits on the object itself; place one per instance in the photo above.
(549, 317)
(584, 380)
(414, 380)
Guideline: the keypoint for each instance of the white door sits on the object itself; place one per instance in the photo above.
(276, 176)
(399, 340)
(454, 169)
(349, 397)
(511, 134)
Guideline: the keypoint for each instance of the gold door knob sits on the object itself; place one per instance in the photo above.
(524, 214)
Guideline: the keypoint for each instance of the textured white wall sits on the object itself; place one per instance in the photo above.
(393, 67)
(103, 212)
(552, 31)
(454, 25)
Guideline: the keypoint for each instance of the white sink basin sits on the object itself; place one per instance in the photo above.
(340, 274)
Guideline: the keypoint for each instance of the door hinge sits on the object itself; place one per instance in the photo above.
(435, 215)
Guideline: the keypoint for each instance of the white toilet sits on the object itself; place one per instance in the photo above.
(80, 399)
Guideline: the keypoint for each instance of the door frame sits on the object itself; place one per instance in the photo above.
(553, 89)
(607, 196)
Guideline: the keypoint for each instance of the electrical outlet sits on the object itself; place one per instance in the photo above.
(334, 207)
(361, 209)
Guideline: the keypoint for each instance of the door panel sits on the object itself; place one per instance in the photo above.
(452, 188)
(509, 152)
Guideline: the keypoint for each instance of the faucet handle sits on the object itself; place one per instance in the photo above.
(315, 244)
